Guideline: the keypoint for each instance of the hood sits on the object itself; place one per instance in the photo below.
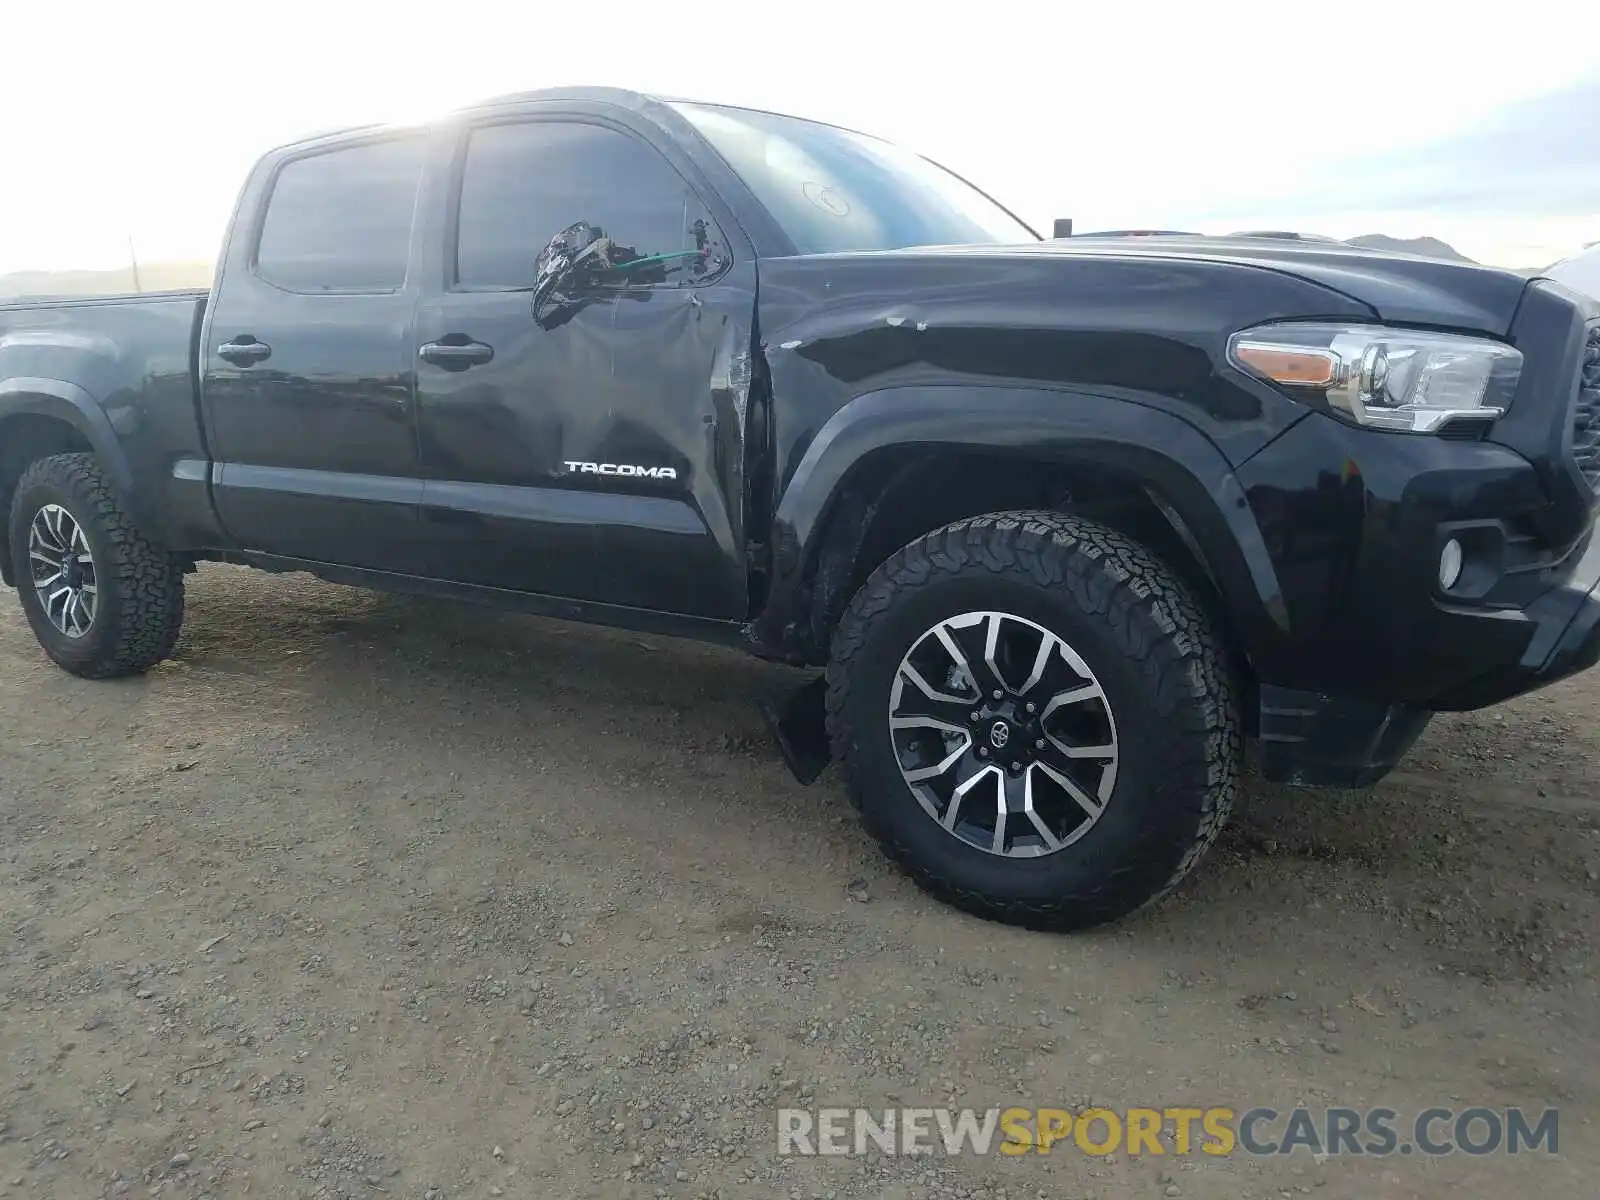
(1401, 288)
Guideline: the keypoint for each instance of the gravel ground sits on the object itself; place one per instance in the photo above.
(368, 896)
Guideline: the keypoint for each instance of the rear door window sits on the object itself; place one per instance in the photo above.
(340, 220)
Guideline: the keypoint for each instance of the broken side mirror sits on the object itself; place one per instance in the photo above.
(581, 257)
(565, 260)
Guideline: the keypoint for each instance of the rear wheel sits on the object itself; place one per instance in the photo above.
(102, 599)
(1035, 718)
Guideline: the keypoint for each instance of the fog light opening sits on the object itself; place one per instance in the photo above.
(1450, 560)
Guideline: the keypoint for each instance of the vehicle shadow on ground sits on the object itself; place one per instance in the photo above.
(1420, 864)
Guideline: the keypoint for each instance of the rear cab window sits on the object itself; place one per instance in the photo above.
(339, 220)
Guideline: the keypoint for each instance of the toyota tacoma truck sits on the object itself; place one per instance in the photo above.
(1065, 524)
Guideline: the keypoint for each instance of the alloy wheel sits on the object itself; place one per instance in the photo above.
(63, 572)
(1003, 734)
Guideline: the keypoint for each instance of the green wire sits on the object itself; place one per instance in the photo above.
(655, 258)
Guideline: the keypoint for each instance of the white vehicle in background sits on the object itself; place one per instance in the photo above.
(1581, 272)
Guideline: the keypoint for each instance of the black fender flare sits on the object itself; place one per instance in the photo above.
(72, 405)
(1183, 471)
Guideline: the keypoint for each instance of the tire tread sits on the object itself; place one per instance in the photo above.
(148, 586)
(1157, 622)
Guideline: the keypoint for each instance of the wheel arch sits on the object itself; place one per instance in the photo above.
(42, 417)
(898, 463)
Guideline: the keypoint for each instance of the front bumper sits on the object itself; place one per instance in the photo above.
(1566, 640)
(1353, 640)
(1325, 739)
(1368, 644)
(1353, 522)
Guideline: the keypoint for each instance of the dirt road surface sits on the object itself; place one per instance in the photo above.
(365, 896)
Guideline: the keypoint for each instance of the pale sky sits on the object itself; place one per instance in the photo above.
(1405, 117)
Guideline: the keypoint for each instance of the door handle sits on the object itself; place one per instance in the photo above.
(459, 355)
(244, 350)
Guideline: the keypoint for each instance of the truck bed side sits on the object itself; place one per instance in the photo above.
(115, 375)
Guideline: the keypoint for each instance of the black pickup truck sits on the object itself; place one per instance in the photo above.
(1067, 521)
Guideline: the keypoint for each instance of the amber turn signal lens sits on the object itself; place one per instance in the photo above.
(1294, 367)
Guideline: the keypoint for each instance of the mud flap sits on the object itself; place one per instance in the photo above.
(798, 722)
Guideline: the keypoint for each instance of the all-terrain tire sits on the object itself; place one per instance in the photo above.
(1164, 673)
(139, 600)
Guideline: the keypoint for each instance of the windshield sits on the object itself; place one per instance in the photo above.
(833, 190)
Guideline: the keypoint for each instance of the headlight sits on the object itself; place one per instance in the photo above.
(1380, 377)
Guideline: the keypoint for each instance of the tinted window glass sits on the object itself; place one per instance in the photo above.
(341, 221)
(834, 190)
(523, 184)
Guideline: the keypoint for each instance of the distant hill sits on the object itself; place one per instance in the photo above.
(153, 277)
(1427, 247)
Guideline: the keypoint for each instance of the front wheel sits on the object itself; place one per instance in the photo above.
(102, 599)
(1035, 719)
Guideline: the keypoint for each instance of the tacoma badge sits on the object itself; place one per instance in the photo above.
(589, 468)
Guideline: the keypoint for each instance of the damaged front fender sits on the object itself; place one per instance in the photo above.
(830, 495)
